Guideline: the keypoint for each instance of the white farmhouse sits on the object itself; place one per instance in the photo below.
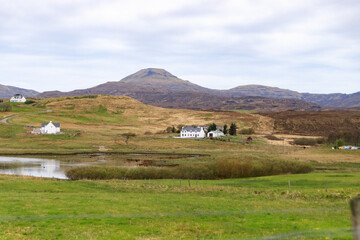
(18, 98)
(215, 134)
(192, 132)
(50, 128)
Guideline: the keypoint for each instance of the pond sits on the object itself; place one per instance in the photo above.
(55, 166)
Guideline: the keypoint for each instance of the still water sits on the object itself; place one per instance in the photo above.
(56, 166)
(36, 167)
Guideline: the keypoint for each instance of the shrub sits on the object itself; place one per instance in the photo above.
(85, 96)
(5, 107)
(339, 142)
(272, 137)
(305, 141)
(29, 102)
(101, 109)
(247, 131)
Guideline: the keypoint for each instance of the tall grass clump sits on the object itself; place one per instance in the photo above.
(247, 168)
(305, 141)
(219, 170)
(247, 131)
(5, 107)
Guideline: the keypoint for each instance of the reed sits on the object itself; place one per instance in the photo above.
(220, 170)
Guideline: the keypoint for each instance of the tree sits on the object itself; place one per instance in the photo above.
(225, 129)
(232, 130)
(339, 142)
(173, 130)
(212, 127)
(179, 128)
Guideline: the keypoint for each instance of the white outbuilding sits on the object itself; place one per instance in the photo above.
(18, 98)
(215, 134)
(50, 128)
(192, 132)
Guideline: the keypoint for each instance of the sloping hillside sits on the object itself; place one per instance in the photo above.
(262, 91)
(124, 113)
(9, 91)
(160, 88)
(315, 123)
(161, 79)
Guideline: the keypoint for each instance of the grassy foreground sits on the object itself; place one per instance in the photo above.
(253, 208)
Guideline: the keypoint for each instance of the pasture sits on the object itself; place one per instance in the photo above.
(312, 206)
(252, 208)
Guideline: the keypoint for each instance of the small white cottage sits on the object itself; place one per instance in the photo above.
(18, 98)
(192, 132)
(50, 128)
(215, 134)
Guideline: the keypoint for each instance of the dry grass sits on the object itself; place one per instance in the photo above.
(333, 157)
(141, 118)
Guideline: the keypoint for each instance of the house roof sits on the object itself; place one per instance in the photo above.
(217, 131)
(18, 96)
(55, 124)
(191, 129)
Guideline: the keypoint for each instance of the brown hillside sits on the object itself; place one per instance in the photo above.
(127, 113)
(9, 91)
(315, 123)
(160, 88)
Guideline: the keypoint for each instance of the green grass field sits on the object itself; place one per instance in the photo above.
(248, 208)
(255, 208)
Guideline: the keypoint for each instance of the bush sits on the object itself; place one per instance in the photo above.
(29, 102)
(101, 109)
(272, 137)
(85, 96)
(339, 142)
(305, 141)
(5, 107)
(247, 131)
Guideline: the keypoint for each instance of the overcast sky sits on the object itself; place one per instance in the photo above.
(303, 45)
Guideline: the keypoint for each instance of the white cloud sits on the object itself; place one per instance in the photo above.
(80, 43)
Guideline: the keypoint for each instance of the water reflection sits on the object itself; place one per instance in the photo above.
(48, 168)
(52, 166)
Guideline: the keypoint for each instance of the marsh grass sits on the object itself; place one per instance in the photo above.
(309, 141)
(215, 170)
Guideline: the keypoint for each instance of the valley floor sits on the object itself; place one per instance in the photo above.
(254, 208)
(314, 206)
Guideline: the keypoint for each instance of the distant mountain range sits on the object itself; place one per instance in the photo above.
(9, 91)
(160, 88)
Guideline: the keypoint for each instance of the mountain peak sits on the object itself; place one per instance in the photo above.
(150, 73)
(160, 79)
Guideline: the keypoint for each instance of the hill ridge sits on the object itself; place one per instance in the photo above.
(9, 91)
